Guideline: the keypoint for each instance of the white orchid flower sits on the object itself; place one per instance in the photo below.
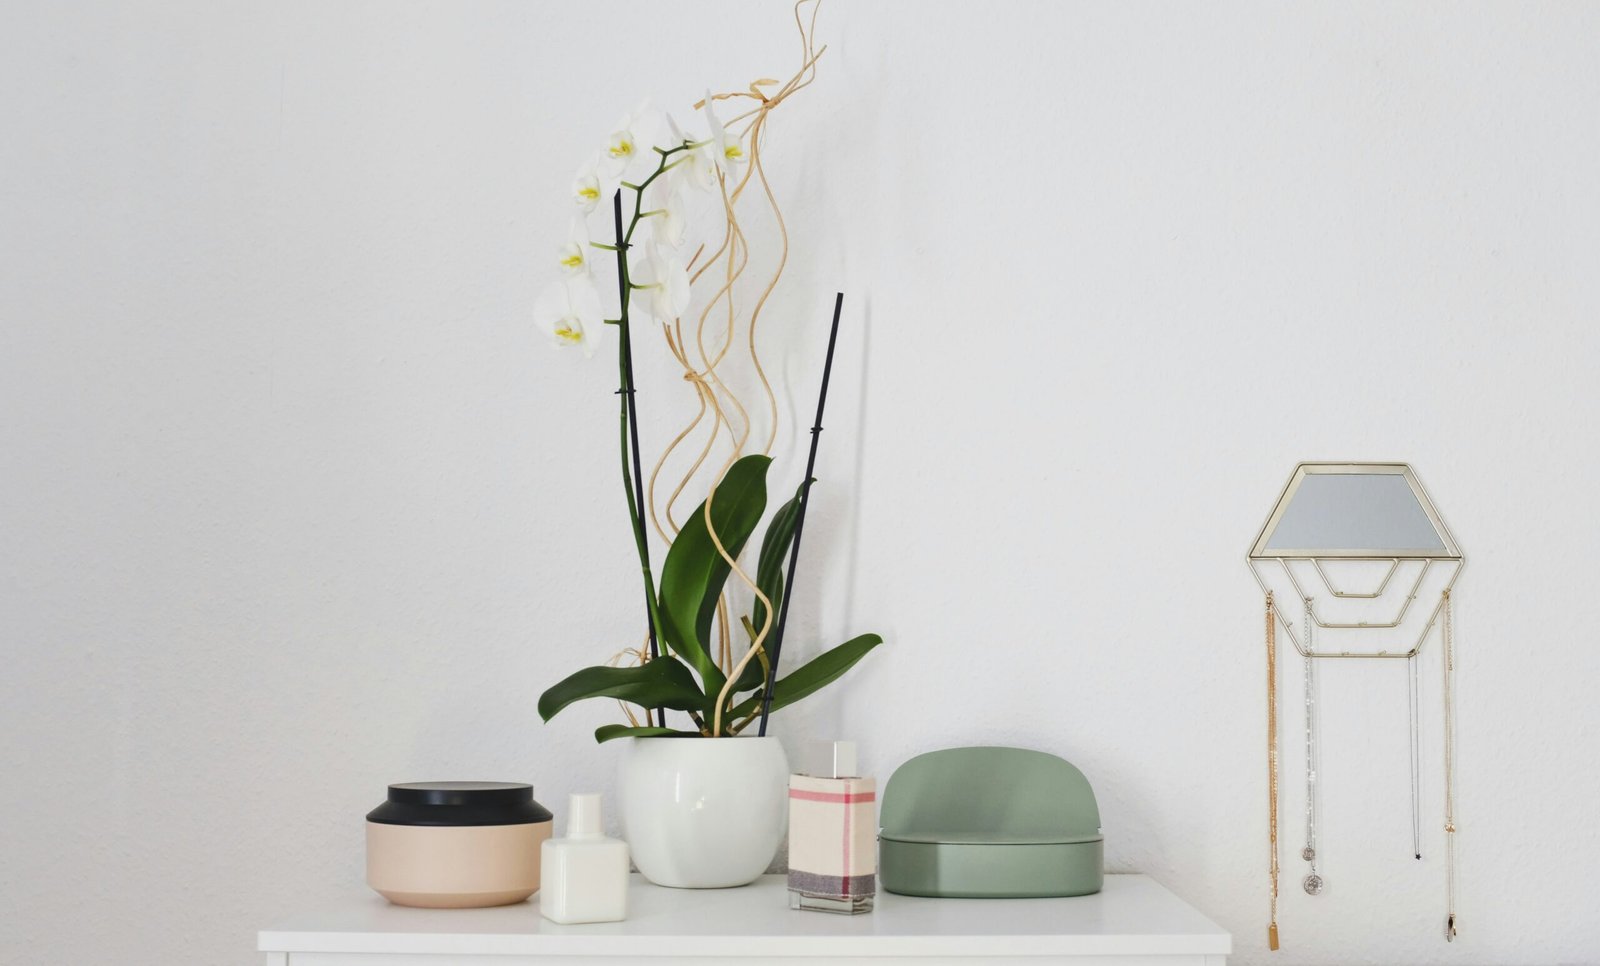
(726, 151)
(622, 148)
(630, 140)
(663, 280)
(693, 167)
(586, 187)
(674, 219)
(570, 312)
(670, 218)
(574, 254)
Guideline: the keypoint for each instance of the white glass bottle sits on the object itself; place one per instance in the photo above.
(585, 875)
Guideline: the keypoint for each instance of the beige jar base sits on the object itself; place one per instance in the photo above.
(456, 900)
(454, 867)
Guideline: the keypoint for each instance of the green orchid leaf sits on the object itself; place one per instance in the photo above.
(694, 572)
(774, 551)
(769, 577)
(813, 676)
(661, 683)
(605, 733)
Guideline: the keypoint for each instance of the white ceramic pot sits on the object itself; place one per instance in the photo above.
(704, 813)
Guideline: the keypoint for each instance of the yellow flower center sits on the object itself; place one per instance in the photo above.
(622, 148)
(733, 152)
(589, 193)
(567, 333)
(573, 260)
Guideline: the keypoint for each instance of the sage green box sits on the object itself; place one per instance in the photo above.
(998, 823)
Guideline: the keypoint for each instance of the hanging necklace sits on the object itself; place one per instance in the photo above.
(1312, 882)
(1414, 702)
(1449, 774)
(1272, 766)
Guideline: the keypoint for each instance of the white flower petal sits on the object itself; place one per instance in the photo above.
(725, 149)
(709, 106)
(570, 314)
(585, 302)
(586, 188)
(692, 167)
(675, 135)
(667, 197)
(673, 298)
(572, 258)
(552, 312)
(621, 151)
(573, 255)
(663, 278)
(697, 171)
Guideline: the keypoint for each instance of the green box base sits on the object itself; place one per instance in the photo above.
(1014, 870)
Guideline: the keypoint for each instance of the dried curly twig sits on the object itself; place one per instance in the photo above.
(720, 406)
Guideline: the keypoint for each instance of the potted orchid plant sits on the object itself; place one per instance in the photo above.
(707, 667)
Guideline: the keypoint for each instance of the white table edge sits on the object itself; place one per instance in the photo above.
(582, 941)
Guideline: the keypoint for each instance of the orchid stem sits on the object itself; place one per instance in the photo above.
(633, 484)
(632, 472)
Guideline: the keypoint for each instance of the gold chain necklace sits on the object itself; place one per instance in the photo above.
(1272, 764)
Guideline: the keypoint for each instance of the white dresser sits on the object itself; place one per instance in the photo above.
(1134, 922)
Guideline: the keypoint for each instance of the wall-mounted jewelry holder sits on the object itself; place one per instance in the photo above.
(1356, 555)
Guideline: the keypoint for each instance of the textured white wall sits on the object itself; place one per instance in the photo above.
(297, 503)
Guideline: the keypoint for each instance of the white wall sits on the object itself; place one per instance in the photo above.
(297, 503)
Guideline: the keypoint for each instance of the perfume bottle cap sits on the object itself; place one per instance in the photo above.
(844, 760)
(829, 759)
(583, 816)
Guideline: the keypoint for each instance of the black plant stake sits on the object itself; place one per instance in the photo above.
(799, 521)
(633, 417)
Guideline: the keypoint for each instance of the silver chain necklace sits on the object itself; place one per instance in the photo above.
(1312, 882)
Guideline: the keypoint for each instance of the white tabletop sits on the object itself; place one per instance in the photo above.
(1133, 916)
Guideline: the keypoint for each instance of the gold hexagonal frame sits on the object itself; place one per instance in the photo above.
(1353, 511)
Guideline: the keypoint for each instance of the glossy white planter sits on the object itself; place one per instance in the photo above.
(704, 813)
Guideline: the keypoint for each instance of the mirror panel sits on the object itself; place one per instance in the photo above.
(1376, 512)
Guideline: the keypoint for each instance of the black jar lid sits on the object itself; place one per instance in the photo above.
(460, 803)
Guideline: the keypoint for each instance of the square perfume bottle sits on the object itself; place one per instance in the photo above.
(833, 836)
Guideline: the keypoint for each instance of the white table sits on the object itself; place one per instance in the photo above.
(1134, 922)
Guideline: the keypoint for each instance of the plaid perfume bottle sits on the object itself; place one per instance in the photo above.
(833, 832)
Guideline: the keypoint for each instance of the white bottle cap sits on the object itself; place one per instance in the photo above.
(844, 760)
(583, 816)
(828, 759)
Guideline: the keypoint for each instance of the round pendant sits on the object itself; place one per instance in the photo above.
(1312, 884)
(1309, 854)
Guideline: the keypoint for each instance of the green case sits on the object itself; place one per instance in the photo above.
(990, 823)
